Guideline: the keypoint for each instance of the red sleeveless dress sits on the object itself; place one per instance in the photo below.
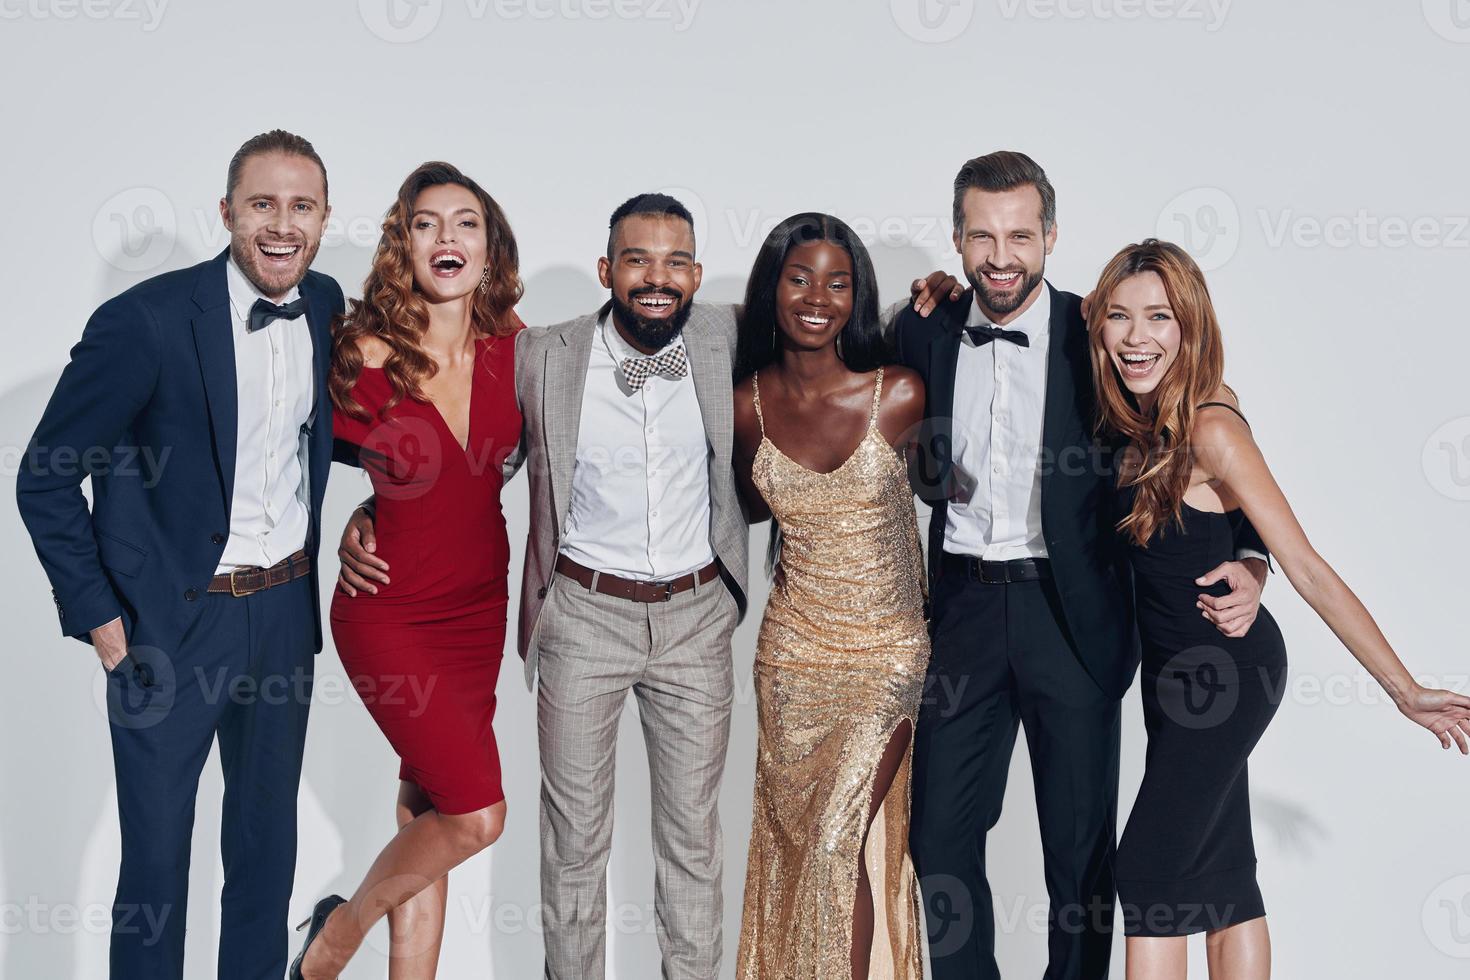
(424, 652)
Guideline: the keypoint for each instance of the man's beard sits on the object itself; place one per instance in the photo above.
(648, 332)
(273, 282)
(1008, 302)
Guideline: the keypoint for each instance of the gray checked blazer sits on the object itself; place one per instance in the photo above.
(551, 374)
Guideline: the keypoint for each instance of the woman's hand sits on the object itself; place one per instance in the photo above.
(1444, 713)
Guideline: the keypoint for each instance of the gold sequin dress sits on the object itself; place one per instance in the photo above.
(839, 665)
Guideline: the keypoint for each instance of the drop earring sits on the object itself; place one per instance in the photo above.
(485, 280)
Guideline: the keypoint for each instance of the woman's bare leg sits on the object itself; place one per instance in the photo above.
(1157, 957)
(420, 854)
(1240, 952)
(416, 928)
(862, 907)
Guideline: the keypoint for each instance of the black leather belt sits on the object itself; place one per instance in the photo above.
(635, 589)
(996, 572)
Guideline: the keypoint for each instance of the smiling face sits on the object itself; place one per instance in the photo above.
(814, 294)
(275, 217)
(1141, 333)
(1004, 248)
(448, 246)
(653, 277)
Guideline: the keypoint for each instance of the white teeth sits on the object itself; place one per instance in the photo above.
(655, 301)
(279, 249)
(1002, 276)
(447, 258)
(1139, 358)
(816, 321)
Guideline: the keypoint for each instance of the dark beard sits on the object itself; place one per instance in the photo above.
(1001, 305)
(650, 333)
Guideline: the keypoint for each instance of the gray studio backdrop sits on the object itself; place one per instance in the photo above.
(1310, 154)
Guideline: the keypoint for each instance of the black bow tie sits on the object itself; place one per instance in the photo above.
(264, 311)
(985, 333)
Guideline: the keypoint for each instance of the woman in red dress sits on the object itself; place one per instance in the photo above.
(423, 382)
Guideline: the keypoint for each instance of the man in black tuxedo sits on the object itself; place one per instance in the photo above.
(194, 579)
(1032, 618)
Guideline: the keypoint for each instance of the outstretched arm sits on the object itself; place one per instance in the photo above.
(1227, 451)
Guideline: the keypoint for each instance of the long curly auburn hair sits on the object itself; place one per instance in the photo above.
(1162, 439)
(393, 310)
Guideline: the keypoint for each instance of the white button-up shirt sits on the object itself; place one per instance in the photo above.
(640, 485)
(276, 395)
(999, 411)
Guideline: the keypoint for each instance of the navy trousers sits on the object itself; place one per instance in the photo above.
(241, 674)
(1002, 658)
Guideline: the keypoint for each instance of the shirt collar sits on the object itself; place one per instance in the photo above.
(243, 293)
(1034, 323)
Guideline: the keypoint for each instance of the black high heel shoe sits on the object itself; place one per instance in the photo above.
(317, 920)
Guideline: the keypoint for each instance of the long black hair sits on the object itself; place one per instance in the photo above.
(860, 343)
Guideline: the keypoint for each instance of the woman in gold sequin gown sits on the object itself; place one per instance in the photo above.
(840, 659)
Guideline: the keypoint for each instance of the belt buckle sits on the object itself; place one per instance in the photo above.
(668, 588)
(234, 589)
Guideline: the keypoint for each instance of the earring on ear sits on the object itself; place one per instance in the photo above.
(485, 279)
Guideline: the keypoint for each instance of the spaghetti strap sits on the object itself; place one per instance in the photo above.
(877, 394)
(755, 394)
(1229, 406)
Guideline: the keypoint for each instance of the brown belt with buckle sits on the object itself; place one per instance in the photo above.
(244, 581)
(627, 588)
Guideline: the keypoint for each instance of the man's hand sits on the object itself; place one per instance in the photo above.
(933, 289)
(360, 567)
(1233, 614)
(111, 643)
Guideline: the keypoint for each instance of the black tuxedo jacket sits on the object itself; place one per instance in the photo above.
(1089, 558)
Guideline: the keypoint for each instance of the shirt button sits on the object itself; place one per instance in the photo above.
(191, 594)
(217, 538)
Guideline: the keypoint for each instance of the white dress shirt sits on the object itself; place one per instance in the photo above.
(999, 410)
(276, 397)
(640, 484)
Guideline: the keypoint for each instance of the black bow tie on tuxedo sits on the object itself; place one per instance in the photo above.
(985, 333)
(264, 311)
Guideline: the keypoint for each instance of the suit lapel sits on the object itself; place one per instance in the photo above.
(562, 387)
(1060, 423)
(709, 364)
(214, 344)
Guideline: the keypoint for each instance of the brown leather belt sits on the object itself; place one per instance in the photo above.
(244, 581)
(627, 588)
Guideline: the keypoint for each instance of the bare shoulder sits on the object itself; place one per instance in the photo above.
(374, 351)
(903, 392)
(746, 424)
(1218, 437)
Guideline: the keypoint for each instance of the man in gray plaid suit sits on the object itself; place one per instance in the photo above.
(635, 578)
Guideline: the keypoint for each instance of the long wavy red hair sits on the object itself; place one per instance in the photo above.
(1161, 439)
(393, 310)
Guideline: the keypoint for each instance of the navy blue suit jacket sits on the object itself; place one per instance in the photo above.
(147, 409)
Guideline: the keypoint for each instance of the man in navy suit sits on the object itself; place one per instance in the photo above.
(196, 402)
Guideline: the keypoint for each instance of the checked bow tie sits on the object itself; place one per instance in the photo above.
(670, 363)
(264, 311)
(985, 333)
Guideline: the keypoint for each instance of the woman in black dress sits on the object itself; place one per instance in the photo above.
(1190, 478)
